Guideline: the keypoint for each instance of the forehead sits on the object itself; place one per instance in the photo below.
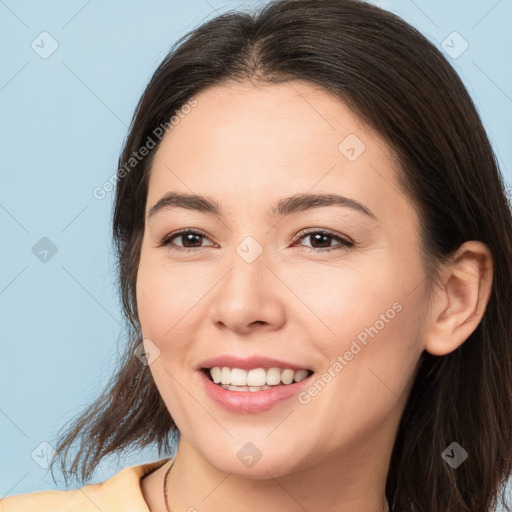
(265, 141)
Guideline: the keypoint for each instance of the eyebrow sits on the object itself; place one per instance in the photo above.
(283, 207)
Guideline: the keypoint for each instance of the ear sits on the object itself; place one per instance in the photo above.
(460, 299)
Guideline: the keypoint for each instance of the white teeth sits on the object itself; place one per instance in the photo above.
(238, 377)
(255, 379)
(244, 388)
(216, 373)
(273, 376)
(287, 376)
(300, 375)
(225, 376)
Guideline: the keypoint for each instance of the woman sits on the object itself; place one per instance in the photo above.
(315, 261)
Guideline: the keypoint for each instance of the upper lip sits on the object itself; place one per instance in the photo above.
(248, 363)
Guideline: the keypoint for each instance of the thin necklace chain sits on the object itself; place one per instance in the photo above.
(165, 486)
(165, 489)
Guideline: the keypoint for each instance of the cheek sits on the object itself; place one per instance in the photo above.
(168, 307)
(369, 367)
(343, 300)
(373, 329)
(167, 299)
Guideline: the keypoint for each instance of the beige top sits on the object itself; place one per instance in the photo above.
(121, 493)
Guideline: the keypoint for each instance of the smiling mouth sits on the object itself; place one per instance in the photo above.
(256, 379)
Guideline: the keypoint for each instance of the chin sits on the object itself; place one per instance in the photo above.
(254, 461)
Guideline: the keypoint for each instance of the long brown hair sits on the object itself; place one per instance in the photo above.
(402, 86)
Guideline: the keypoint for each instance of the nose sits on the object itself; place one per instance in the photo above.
(250, 296)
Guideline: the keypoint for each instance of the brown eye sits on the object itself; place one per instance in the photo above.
(321, 240)
(191, 240)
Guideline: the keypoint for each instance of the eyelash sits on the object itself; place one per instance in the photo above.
(345, 243)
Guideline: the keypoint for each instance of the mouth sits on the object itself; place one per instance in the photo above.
(254, 379)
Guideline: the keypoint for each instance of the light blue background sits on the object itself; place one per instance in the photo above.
(63, 120)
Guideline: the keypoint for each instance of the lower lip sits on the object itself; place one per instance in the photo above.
(251, 401)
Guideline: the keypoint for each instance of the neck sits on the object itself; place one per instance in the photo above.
(346, 482)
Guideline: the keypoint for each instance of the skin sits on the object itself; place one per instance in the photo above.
(246, 147)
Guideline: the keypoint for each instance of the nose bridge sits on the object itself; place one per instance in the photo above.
(248, 268)
(248, 292)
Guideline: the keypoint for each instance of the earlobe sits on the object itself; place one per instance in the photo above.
(461, 298)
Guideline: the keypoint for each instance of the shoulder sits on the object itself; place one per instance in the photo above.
(121, 493)
(45, 501)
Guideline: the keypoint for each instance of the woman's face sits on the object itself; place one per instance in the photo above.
(257, 288)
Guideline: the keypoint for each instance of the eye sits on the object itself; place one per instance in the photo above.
(324, 238)
(191, 240)
(188, 236)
